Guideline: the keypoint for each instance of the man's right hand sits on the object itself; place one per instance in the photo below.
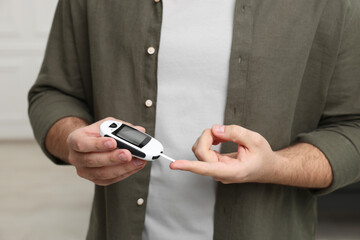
(96, 158)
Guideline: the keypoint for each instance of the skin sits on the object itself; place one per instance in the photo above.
(300, 165)
(97, 159)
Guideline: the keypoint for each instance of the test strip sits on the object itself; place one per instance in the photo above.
(168, 158)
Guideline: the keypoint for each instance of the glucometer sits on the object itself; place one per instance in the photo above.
(141, 145)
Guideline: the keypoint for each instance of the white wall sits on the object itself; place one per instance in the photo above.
(38, 200)
(24, 28)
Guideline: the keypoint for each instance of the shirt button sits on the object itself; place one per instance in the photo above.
(148, 103)
(151, 50)
(140, 201)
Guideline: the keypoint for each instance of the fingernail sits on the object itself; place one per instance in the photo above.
(138, 162)
(219, 128)
(109, 144)
(122, 156)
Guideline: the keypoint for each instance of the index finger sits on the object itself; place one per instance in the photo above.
(198, 167)
(236, 134)
(202, 147)
(83, 143)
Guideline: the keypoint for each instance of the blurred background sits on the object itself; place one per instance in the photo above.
(39, 200)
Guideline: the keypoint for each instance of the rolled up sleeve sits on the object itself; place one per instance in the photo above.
(58, 91)
(338, 134)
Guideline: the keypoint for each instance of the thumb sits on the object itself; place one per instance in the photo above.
(234, 133)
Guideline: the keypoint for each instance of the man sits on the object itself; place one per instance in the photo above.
(285, 73)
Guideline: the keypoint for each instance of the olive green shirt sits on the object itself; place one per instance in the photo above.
(294, 77)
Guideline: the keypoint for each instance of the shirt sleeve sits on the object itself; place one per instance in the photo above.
(58, 91)
(338, 134)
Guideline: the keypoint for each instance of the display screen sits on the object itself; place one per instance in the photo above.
(131, 135)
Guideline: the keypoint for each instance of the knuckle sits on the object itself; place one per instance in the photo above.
(89, 162)
(199, 152)
(204, 132)
(233, 138)
(99, 145)
(72, 140)
(234, 132)
(72, 159)
(195, 144)
(80, 172)
(258, 139)
(233, 128)
(77, 145)
(207, 131)
(112, 159)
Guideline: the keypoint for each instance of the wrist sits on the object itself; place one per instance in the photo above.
(56, 138)
(301, 165)
(273, 171)
(279, 164)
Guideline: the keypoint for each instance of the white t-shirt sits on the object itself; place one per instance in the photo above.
(193, 73)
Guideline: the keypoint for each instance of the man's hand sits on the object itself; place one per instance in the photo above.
(252, 162)
(301, 165)
(96, 158)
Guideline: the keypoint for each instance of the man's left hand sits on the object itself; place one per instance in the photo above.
(253, 162)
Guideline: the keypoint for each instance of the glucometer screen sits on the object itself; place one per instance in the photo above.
(131, 135)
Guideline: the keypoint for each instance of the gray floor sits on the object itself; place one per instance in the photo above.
(41, 201)
(339, 230)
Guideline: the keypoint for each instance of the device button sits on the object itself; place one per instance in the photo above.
(148, 103)
(113, 125)
(140, 201)
(151, 50)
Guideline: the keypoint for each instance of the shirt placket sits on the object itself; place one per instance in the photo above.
(235, 109)
(149, 97)
(151, 50)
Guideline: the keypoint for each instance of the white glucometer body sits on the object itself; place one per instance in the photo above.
(141, 145)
